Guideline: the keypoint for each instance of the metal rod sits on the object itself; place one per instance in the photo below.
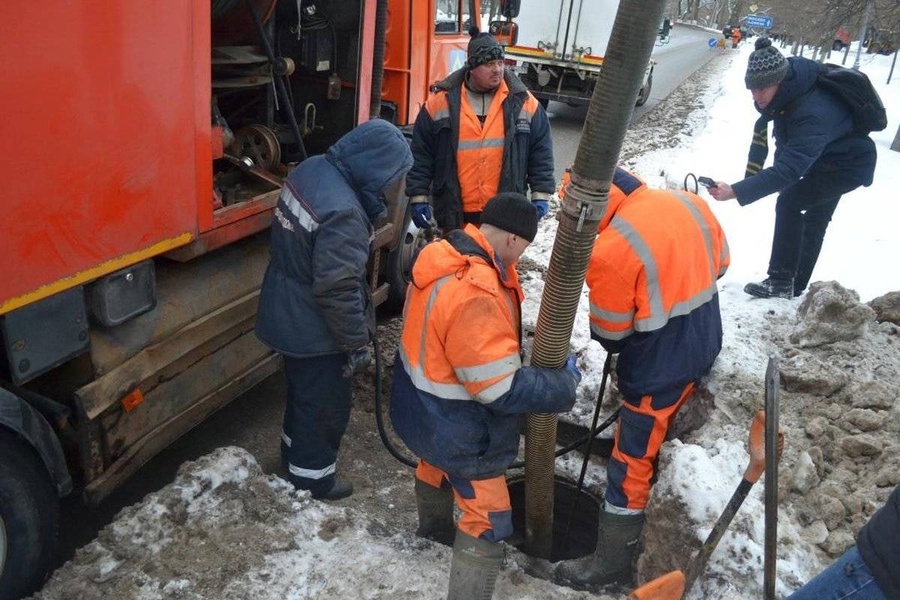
(590, 442)
(771, 478)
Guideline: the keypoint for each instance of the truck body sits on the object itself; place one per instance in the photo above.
(559, 49)
(146, 146)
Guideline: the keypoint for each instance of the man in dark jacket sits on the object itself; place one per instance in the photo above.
(818, 158)
(314, 307)
(870, 570)
(481, 133)
(460, 386)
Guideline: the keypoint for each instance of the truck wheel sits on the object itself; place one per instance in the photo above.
(644, 93)
(400, 262)
(29, 510)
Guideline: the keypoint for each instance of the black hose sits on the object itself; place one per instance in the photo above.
(382, 432)
(379, 418)
(381, 17)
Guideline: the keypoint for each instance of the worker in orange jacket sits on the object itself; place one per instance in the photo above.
(481, 133)
(654, 301)
(459, 386)
(735, 37)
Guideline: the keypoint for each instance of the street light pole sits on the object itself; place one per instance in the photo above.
(862, 32)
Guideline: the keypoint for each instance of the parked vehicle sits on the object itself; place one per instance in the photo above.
(559, 49)
(151, 140)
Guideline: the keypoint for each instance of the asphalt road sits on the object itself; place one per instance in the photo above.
(253, 421)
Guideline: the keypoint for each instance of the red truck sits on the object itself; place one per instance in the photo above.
(146, 143)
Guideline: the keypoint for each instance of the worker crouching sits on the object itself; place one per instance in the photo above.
(459, 386)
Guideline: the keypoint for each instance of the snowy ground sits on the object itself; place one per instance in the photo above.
(225, 529)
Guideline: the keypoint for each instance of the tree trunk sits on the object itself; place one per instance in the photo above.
(896, 145)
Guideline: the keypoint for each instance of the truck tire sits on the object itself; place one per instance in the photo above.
(644, 93)
(29, 512)
(400, 261)
(837, 46)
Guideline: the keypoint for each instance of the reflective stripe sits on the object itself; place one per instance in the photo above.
(491, 370)
(443, 113)
(726, 251)
(657, 316)
(610, 316)
(478, 144)
(285, 439)
(608, 334)
(312, 473)
(492, 393)
(704, 229)
(447, 391)
(305, 218)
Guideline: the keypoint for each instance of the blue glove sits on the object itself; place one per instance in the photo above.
(357, 361)
(542, 206)
(571, 368)
(422, 215)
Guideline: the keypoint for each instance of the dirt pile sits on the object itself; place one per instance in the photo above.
(839, 372)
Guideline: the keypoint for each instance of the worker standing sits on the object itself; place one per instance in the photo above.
(459, 386)
(481, 133)
(654, 301)
(314, 307)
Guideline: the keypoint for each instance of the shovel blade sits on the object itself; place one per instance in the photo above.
(666, 587)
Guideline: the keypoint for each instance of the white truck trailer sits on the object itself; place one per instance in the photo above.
(560, 46)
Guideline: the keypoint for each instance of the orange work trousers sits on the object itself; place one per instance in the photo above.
(642, 428)
(486, 511)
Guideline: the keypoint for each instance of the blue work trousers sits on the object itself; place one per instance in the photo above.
(315, 418)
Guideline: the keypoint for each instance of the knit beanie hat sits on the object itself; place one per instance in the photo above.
(513, 213)
(483, 48)
(766, 66)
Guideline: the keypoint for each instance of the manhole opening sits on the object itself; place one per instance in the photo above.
(582, 535)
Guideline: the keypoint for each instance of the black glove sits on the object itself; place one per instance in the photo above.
(357, 361)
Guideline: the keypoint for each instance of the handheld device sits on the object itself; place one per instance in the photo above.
(706, 182)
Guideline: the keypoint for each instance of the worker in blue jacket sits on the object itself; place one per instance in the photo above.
(314, 307)
(818, 157)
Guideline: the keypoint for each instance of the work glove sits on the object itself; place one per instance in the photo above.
(573, 369)
(542, 206)
(357, 361)
(422, 215)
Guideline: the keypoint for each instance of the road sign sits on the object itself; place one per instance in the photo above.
(764, 21)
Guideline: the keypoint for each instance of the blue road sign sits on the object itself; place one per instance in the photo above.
(763, 21)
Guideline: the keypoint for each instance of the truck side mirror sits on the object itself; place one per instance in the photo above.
(505, 32)
(510, 8)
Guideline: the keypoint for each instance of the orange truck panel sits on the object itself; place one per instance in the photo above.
(107, 147)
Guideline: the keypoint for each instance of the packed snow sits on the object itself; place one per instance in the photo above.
(225, 529)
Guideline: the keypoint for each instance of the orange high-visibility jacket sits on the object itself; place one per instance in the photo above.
(652, 279)
(458, 382)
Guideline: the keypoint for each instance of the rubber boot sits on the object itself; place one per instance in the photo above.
(340, 490)
(435, 507)
(617, 542)
(474, 568)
